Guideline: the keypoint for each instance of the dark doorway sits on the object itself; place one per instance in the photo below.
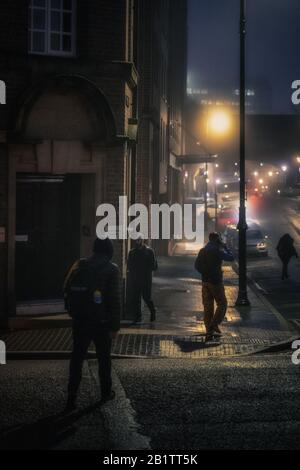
(47, 234)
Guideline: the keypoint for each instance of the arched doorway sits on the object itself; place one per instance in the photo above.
(63, 129)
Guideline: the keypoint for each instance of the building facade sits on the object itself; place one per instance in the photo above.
(161, 63)
(77, 75)
(65, 146)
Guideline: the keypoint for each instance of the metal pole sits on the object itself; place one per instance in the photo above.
(242, 298)
(205, 201)
(216, 208)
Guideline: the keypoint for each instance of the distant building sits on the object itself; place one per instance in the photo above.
(258, 97)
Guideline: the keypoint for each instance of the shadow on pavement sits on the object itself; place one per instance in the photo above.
(191, 346)
(44, 433)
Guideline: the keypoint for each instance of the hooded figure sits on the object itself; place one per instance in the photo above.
(286, 251)
(92, 296)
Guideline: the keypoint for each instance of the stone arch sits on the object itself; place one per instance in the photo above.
(66, 107)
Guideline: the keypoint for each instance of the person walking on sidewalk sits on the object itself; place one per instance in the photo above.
(286, 251)
(209, 265)
(140, 264)
(92, 297)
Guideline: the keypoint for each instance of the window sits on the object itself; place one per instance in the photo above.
(52, 27)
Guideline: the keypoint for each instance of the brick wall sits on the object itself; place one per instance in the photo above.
(101, 57)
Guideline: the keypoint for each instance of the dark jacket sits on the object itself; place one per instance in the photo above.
(141, 262)
(213, 256)
(285, 248)
(108, 280)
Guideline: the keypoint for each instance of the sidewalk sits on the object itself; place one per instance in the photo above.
(179, 329)
(177, 294)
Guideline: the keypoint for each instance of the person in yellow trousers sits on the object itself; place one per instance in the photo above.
(209, 265)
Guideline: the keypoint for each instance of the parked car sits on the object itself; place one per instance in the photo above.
(256, 242)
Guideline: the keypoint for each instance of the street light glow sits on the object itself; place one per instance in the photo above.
(219, 122)
(284, 168)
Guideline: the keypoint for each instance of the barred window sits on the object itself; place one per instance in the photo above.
(52, 27)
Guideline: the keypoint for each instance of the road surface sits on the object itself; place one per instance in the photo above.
(277, 216)
(161, 404)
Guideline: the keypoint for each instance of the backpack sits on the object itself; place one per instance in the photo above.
(200, 261)
(84, 292)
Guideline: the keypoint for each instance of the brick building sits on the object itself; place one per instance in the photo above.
(66, 146)
(70, 81)
(161, 63)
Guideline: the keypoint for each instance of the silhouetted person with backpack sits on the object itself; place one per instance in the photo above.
(286, 251)
(140, 264)
(209, 265)
(92, 297)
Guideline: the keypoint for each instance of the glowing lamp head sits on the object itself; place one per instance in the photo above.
(219, 122)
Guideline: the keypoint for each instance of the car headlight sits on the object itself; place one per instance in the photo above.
(261, 245)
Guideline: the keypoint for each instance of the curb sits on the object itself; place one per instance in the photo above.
(278, 347)
(65, 355)
(258, 291)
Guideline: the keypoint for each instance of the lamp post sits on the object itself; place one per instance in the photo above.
(217, 181)
(206, 181)
(242, 299)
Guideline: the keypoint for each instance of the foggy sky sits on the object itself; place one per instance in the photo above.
(273, 45)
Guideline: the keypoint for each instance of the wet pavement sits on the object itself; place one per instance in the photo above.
(179, 329)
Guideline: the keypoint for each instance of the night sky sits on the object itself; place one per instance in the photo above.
(273, 45)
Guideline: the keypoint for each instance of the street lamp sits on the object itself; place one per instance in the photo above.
(219, 122)
(217, 181)
(242, 299)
